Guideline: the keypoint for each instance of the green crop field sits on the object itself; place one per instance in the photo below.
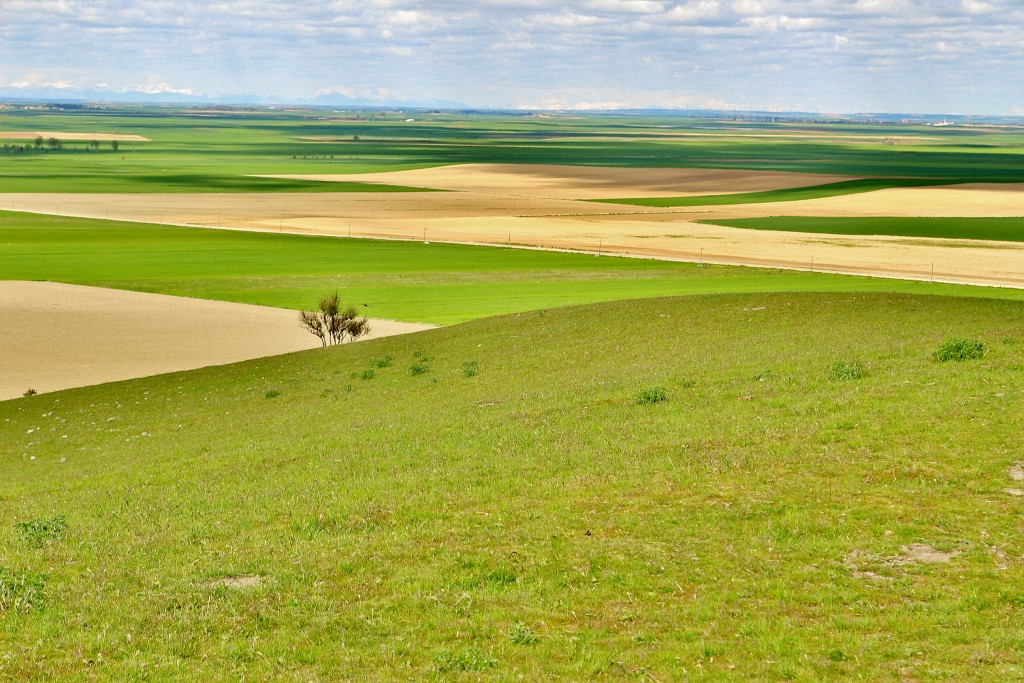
(762, 486)
(208, 150)
(412, 281)
(998, 229)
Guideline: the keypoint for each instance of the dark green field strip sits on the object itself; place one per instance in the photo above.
(999, 229)
(171, 183)
(787, 195)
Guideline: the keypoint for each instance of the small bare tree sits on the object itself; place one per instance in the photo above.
(333, 325)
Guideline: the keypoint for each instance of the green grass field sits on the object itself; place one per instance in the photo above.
(998, 229)
(412, 281)
(514, 512)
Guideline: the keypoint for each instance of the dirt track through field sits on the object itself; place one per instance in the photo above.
(540, 207)
(57, 336)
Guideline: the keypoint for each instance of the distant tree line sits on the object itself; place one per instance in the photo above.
(53, 144)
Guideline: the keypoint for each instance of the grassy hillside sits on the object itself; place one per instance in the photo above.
(817, 499)
(437, 283)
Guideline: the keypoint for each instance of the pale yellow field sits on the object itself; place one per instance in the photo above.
(57, 336)
(582, 182)
(73, 137)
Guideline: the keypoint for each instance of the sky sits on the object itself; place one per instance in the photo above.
(830, 56)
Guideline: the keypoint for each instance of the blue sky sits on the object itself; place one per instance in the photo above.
(915, 56)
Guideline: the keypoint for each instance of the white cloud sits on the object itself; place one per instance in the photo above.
(693, 12)
(753, 8)
(977, 6)
(781, 21)
(567, 20)
(502, 52)
(631, 6)
(158, 88)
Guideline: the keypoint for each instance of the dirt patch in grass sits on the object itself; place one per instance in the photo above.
(911, 554)
(239, 583)
(920, 553)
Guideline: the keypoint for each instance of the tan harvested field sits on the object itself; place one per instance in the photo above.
(582, 182)
(57, 336)
(957, 201)
(73, 137)
(527, 206)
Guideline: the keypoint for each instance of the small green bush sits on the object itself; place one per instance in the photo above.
(960, 349)
(521, 634)
(38, 532)
(30, 392)
(21, 591)
(419, 369)
(367, 374)
(470, 368)
(843, 370)
(651, 395)
(384, 362)
(469, 659)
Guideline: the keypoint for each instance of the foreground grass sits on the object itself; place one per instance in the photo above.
(436, 283)
(786, 195)
(999, 229)
(287, 519)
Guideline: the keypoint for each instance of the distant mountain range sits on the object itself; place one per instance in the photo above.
(162, 94)
(159, 95)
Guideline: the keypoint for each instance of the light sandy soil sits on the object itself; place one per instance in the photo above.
(582, 182)
(517, 206)
(23, 135)
(57, 336)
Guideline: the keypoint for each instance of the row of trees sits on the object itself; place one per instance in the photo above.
(55, 144)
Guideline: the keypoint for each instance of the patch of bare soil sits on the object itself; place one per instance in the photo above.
(920, 553)
(57, 336)
(912, 554)
(237, 582)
